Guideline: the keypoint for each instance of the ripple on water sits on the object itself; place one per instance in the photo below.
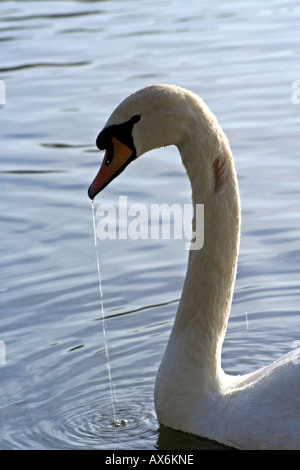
(84, 422)
(94, 426)
(57, 396)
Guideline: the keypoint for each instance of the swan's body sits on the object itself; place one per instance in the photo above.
(260, 410)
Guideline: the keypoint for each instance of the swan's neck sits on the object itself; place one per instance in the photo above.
(193, 354)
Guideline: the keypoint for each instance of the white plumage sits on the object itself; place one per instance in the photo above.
(260, 410)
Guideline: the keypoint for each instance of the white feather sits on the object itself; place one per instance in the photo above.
(260, 410)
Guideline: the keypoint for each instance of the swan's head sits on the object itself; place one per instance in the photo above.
(148, 119)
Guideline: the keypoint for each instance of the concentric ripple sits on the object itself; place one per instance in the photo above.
(94, 427)
(84, 422)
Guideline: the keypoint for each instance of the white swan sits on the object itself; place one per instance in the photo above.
(260, 410)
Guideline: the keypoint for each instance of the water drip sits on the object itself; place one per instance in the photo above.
(116, 422)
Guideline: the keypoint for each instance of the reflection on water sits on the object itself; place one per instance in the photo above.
(66, 65)
(168, 439)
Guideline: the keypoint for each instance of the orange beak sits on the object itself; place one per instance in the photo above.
(116, 158)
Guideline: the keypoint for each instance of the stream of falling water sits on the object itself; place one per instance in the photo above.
(116, 422)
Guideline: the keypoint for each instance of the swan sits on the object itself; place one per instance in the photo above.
(258, 410)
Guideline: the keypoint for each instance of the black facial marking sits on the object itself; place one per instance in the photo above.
(122, 132)
(109, 154)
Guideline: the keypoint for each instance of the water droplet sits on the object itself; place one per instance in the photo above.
(120, 422)
(111, 385)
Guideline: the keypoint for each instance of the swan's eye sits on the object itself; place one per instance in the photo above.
(109, 154)
(122, 132)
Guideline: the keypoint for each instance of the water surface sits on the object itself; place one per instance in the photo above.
(66, 65)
